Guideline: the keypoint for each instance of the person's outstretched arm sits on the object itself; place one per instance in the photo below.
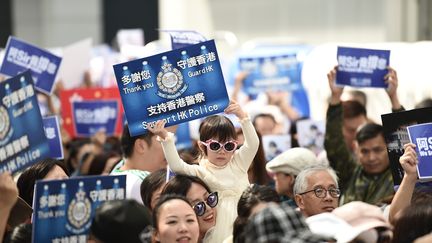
(250, 146)
(338, 153)
(402, 198)
(174, 161)
(392, 80)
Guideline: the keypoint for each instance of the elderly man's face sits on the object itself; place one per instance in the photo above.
(309, 203)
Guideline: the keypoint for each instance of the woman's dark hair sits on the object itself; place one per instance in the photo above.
(99, 161)
(293, 132)
(38, 171)
(217, 126)
(97, 164)
(73, 148)
(238, 229)
(414, 222)
(422, 193)
(165, 198)
(251, 197)
(119, 221)
(257, 171)
(113, 145)
(190, 155)
(180, 184)
(21, 234)
(150, 184)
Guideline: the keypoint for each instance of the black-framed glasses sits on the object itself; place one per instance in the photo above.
(211, 201)
(215, 146)
(322, 193)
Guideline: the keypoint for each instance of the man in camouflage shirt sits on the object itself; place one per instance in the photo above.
(369, 179)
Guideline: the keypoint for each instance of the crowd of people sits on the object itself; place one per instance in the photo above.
(224, 189)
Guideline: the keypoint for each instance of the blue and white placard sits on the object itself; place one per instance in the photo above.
(21, 56)
(64, 209)
(184, 38)
(90, 117)
(178, 86)
(53, 134)
(271, 73)
(362, 67)
(421, 136)
(22, 137)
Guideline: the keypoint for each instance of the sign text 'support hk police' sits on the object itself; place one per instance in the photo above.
(362, 67)
(272, 73)
(90, 117)
(22, 137)
(43, 65)
(64, 209)
(52, 133)
(178, 86)
(421, 136)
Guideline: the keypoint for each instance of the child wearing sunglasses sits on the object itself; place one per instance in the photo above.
(221, 165)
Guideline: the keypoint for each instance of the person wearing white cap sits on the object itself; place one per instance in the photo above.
(286, 166)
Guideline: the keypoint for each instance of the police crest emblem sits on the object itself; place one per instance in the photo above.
(4, 123)
(170, 82)
(79, 209)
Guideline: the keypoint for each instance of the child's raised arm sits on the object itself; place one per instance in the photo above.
(235, 108)
(159, 129)
(175, 163)
(244, 157)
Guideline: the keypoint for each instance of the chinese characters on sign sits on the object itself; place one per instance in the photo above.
(91, 117)
(22, 143)
(179, 86)
(63, 209)
(362, 67)
(421, 136)
(43, 65)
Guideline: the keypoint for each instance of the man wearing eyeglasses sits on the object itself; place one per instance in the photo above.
(316, 190)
